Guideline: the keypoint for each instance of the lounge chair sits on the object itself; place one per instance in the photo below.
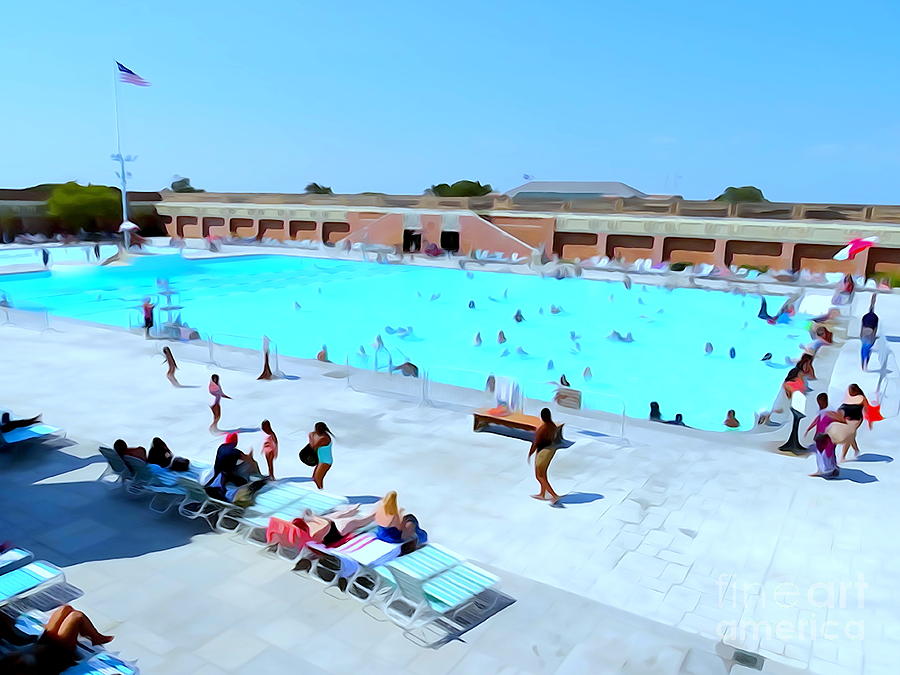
(162, 486)
(91, 660)
(422, 564)
(13, 559)
(196, 503)
(443, 605)
(28, 579)
(28, 433)
(116, 469)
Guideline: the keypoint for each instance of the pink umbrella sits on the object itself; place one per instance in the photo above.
(856, 246)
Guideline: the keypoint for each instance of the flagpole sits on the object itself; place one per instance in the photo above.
(119, 156)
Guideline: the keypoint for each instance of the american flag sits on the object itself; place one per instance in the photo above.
(131, 77)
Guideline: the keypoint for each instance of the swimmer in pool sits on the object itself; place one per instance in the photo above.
(708, 348)
(518, 316)
(616, 336)
(323, 355)
(627, 282)
(435, 296)
(766, 356)
(501, 337)
(555, 310)
(732, 353)
(297, 305)
(573, 336)
(521, 352)
(362, 351)
(408, 369)
(505, 353)
(564, 381)
(477, 339)
(587, 374)
(471, 304)
(550, 364)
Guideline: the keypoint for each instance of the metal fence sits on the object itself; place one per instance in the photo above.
(38, 319)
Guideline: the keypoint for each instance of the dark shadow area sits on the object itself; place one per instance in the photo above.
(520, 434)
(579, 498)
(486, 605)
(77, 520)
(855, 476)
(873, 457)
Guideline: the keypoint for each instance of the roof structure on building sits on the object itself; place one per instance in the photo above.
(539, 189)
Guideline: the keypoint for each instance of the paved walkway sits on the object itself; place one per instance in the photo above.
(661, 547)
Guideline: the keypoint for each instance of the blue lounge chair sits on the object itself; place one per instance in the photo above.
(27, 580)
(13, 559)
(27, 433)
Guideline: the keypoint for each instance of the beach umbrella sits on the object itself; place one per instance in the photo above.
(854, 247)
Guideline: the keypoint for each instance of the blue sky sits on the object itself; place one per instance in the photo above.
(799, 98)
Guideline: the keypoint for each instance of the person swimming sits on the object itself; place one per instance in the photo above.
(501, 337)
(573, 336)
(471, 304)
(505, 353)
(678, 421)
(477, 339)
(587, 374)
(655, 414)
(550, 364)
(708, 348)
(784, 314)
(323, 355)
(518, 316)
(435, 296)
(766, 356)
(297, 305)
(564, 381)
(732, 353)
(627, 282)
(408, 369)
(616, 336)
(521, 352)
(378, 344)
(362, 351)
(554, 309)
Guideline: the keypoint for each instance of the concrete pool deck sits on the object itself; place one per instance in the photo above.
(661, 542)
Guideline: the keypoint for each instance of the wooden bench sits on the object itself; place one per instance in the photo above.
(513, 420)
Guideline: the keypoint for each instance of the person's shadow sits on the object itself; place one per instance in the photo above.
(873, 457)
(579, 498)
(855, 476)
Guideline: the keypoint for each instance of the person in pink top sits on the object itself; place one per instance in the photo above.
(826, 459)
(269, 447)
(215, 390)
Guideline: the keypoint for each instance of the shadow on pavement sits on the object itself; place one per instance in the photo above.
(873, 457)
(855, 476)
(579, 498)
(74, 519)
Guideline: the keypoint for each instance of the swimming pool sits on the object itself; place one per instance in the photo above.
(303, 303)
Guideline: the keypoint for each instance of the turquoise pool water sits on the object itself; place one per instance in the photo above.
(303, 303)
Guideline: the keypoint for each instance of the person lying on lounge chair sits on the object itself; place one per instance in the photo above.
(7, 424)
(55, 650)
(122, 450)
(159, 453)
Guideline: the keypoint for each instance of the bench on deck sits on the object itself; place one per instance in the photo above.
(518, 421)
(514, 425)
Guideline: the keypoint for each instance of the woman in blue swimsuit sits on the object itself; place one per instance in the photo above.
(320, 440)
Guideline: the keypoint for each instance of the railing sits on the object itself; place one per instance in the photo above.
(889, 383)
(38, 319)
(392, 384)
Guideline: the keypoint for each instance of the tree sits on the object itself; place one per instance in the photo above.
(748, 193)
(316, 189)
(180, 184)
(84, 207)
(461, 188)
